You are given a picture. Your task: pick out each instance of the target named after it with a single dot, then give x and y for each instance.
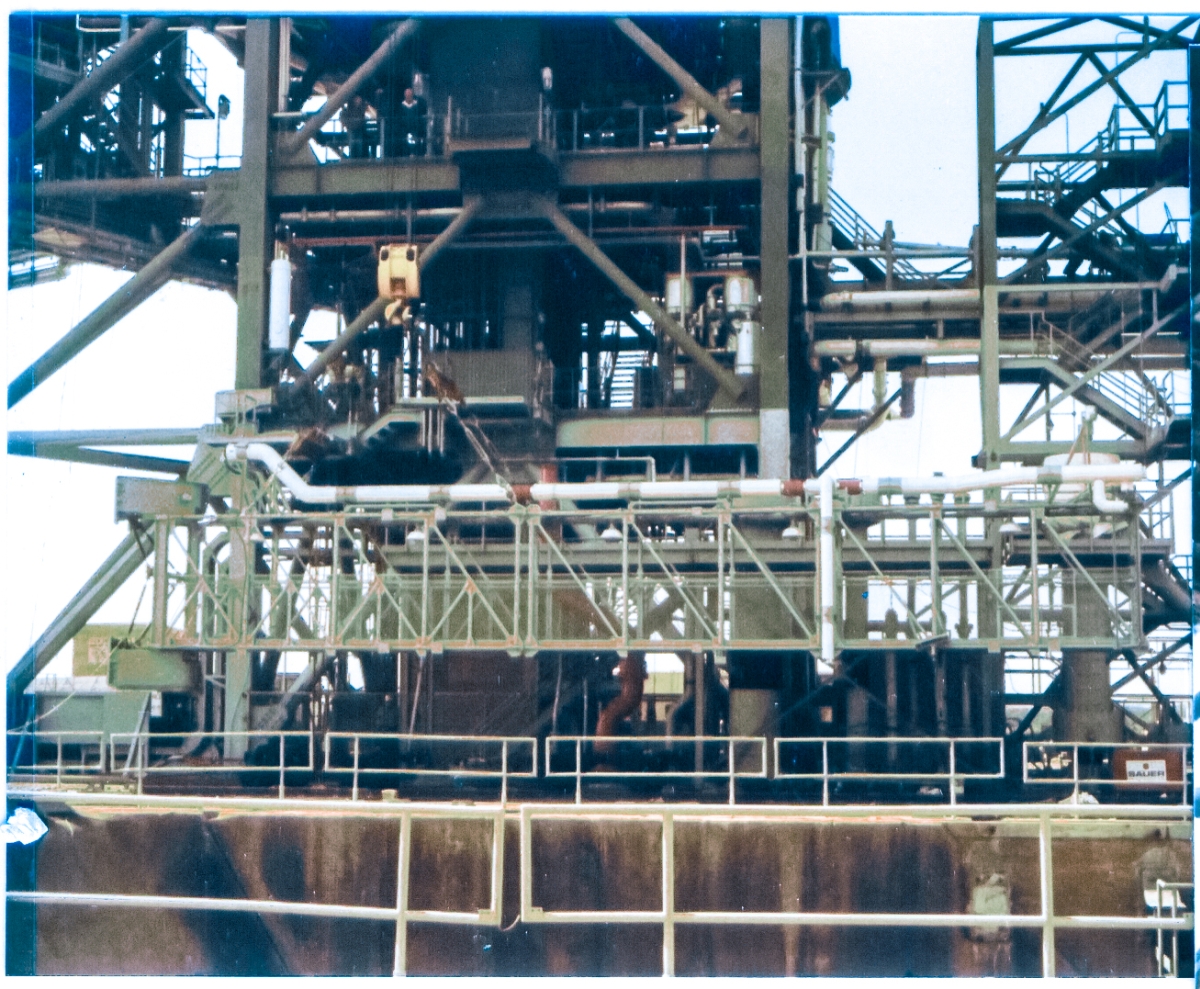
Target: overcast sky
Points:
(905, 151)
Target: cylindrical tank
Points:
(747, 339)
(673, 293)
(279, 324)
(740, 294)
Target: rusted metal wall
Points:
(900, 866)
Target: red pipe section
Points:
(632, 673)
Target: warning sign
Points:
(1146, 770)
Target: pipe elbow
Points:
(1105, 504)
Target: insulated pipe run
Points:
(1120, 473)
(1037, 296)
(826, 563)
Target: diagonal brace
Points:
(1104, 365)
(113, 309)
(730, 122)
(148, 40)
(351, 86)
(1046, 118)
(112, 573)
(729, 383)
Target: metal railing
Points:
(401, 914)
(136, 748)
(1138, 773)
(87, 742)
(1168, 968)
(1041, 819)
(953, 760)
(669, 915)
(656, 757)
(600, 130)
(1157, 769)
(480, 756)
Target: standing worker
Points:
(354, 123)
(410, 117)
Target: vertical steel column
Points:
(255, 236)
(1194, 166)
(989, 325)
(162, 539)
(774, 210)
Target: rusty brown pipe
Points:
(632, 673)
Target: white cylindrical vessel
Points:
(279, 323)
(747, 331)
(740, 294)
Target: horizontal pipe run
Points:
(916, 348)
(536, 915)
(1120, 473)
(228, 905)
(924, 300)
(866, 919)
(425, 493)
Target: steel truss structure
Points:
(589, 439)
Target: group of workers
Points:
(402, 125)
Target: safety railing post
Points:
(668, 891)
(824, 772)
(503, 772)
(731, 787)
(953, 776)
(1158, 891)
(578, 771)
(400, 954)
(281, 765)
(59, 766)
(1046, 877)
(141, 744)
(1174, 935)
(1075, 774)
(354, 775)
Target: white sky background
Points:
(905, 151)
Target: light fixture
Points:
(792, 531)
(415, 536)
(612, 534)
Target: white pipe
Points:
(914, 348)
(387, 493)
(1119, 473)
(906, 300)
(279, 321)
(1042, 296)
(1104, 503)
(826, 499)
